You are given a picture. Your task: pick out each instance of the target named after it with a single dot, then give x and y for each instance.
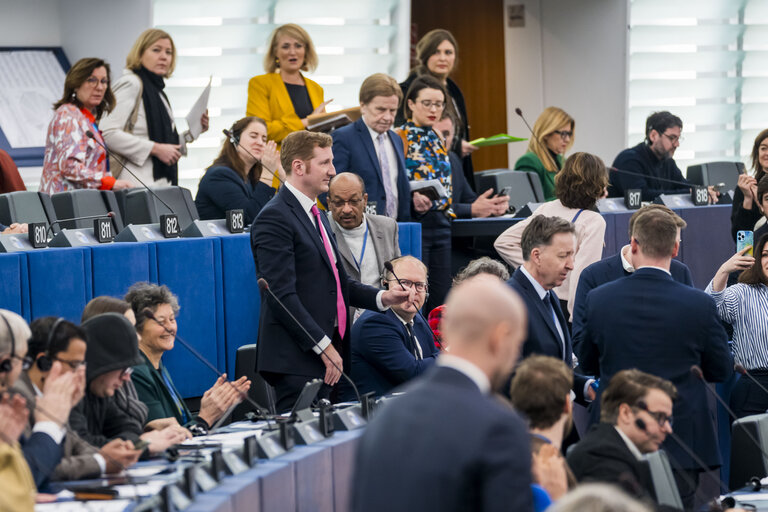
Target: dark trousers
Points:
(687, 481)
(747, 398)
(436, 255)
(288, 388)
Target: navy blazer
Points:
(543, 337)
(42, 455)
(381, 354)
(222, 189)
(650, 322)
(353, 151)
(443, 446)
(290, 255)
(604, 271)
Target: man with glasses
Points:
(55, 339)
(635, 419)
(365, 241)
(391, 348)
(652, 160)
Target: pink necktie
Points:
(341, 309)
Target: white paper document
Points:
(197, 111)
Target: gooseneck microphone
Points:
(391, 270)
(544, 149)
(234, 140)
(243, 395)
(264, 287)
(111, 215)
(90, 135)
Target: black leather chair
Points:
(25, 206)
(141, 207)
(83, 203)
(260, 392)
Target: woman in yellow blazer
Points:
(283, 96)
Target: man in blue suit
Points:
(651, 322)
(369, 148)
(617, 266)
(448, 444)
(548, 245)
(295, 252)
(392, 348)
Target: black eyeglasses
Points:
(26, 362)
(660, 417)
(420, 286)
(340, 203)
(566, 134)
(72, 364)
(673, 138)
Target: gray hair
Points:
(539, 232)
(18, 335)
(598, 498)
(148, 295)
(484, 265)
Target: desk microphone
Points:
(111, 215)
(243, 395)
(264, 287)
(743, 371)
(236, 142)
(391, 270)
(632, 173)
(544, 149)
(90, 135)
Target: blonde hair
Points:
(291, 30)
(549, 121)
(145, 40)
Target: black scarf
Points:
(159, 124)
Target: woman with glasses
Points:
(153, 381)
(74, 160)
(241, 176)
(553, 134)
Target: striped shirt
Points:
(745, 307)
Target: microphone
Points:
(632, 173)
(695, 370)
(90, 135)
(743, 371)
(243, 395)
(236, 142)
(390, 269)
(264, 287)
(111, 215)
(519, 112)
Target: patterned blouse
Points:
(72, 159)
(427, 159)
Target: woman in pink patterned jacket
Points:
(72, 159)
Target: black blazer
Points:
(353, 151)
(222, 189)
(604, 271)
(543, 337)
(289, 254)
(443, 446)
(382, 358)
(650, 322)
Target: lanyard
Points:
(362, 252)
(174, 397)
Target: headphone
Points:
(234, 139)
(45, 362)
(6, 365)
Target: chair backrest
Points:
(714, 173)
(261, 392)
(663, 480)
(746, 459)
(83, 203)
(484, 173)
(140, 207)
(538, 189)
(26, 207)
(520, 188)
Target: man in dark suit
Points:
(448, 444)
(295, 252)
(548, 247)
(617, 266)
(369, 148)
(392, 348)
(650, 322)
(365, 240)
(635, 419)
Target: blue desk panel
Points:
(117, 266)
(14, 283)
(191, 268)
(277, 485)
(60, 282)
(313, 469)
(343, 447)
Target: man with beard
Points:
(652, 160)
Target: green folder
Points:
(494, 140)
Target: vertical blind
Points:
(227, 39)
(707, 62)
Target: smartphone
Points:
(140, 444)
(505, 191)
(745, 239)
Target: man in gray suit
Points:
(365, 240)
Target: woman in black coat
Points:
(745, 212)
(241, 176)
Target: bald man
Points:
(448, 444)
(365, 240)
